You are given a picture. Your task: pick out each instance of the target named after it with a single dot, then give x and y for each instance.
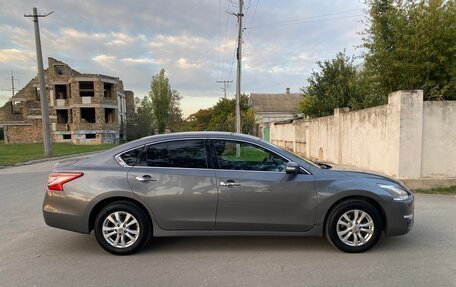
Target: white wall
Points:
(364, 138)
(439, 139)
(405, 138)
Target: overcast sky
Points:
(194, 40)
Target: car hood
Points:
(364, 175)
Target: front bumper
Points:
(400, 216)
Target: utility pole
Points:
(239, 60)
(13, 91)
(12, 83)
(43, 93)
(225, 82)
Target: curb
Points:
(49, 159)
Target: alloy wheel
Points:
(121, 229)
(355, 227)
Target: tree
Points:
(336, 84)
(175, 118)
(140, 124)
(410, 45)
(161, 97)
(198, 121)
(221, 117)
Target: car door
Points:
(175, 180)
(255, 192)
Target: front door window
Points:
(234, 155)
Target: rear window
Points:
(130, 157)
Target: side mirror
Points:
(323, 165)
(291, 167)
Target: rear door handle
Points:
(230, 183)
(145, 178)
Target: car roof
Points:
(204, 134)
(186, 135)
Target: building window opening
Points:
(59, 69)
(37, 94)
(62, 116)
(67, 137)
(88, 115)
(110, 116)
(90, 136)
(15, 108)
(61, 92)
(108, 89)
(86, 89)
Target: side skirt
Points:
(316, 231)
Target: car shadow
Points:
(237, 244)
(84, 244)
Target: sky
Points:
(193, 40)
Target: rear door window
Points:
(182, 153)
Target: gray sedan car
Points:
(216, 183)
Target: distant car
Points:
(217, 183)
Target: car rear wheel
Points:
(354, 226)
(122, 228)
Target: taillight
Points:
(57, 180)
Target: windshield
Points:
(286, 152)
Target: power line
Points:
(232, 65)
(324, 17)
(220, 36)
(224, 44)
(225, 82)
(267, 64)
(252, 21)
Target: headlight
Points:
(398, 192)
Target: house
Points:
(270, 108)
(83, 108)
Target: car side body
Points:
(219, 201)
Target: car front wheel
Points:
(354, 226)
(122, 228)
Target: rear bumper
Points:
(400, 217)
(64, 212)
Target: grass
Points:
(439, 190)
(11, 154)
(247, 153)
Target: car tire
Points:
(354, 226)
(122, 228)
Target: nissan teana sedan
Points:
(216, 183)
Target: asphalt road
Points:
(32, 254)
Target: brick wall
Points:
(24, 134)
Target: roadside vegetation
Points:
(156, 112)
(439, 190)
(407, 45)
(11, 154)
(221, 117)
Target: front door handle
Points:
(230, 183)
(145, 178)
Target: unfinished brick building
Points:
(83, 108)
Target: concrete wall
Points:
(407, 138)
(363, 136)
(439, 139)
